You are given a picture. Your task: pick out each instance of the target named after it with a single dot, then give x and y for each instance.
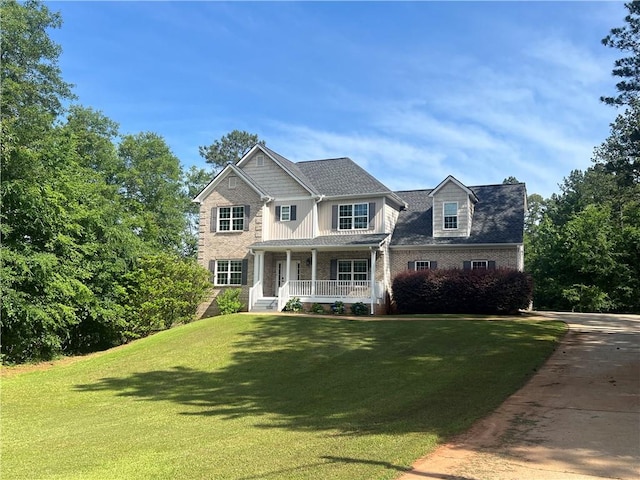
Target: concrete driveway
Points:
(577, 418)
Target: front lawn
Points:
(266, 397)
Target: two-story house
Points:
(326, 230)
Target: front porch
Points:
(345, 273)
(318, 291)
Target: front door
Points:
(281, 272)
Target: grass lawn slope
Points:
(266, 397)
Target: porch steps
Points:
(266, 304)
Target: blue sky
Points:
(411, 91)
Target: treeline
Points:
(583, 244)
(97, 235)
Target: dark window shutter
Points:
(212, 270)
(245, 271)
(411, 265)
(278, 213)
(334, 217)
(246, 217)
(372, 214)
(214, 219)
(433, 265)
(466, 265)
(292, 212)
(333, 270)
(491, 265)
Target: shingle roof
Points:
(362, 240)
(498, 217)
(341, 176)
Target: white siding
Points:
(452, 193)
(301, 227)
(390, 217)
(325, 217)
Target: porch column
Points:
(288, 274)
(373, 279)
(256, 267)
(314, 259)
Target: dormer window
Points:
(354, 216)
(450, 215)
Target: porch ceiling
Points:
(326, 242)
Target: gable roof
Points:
(287, 165)
(230, 168)
(498, 217)
(458, 183)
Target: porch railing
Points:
(283, 295)
(255, 294)
(330, 289)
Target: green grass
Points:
(266, 397)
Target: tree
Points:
(32, 88)
(229, 148)
(152, 189)
(626, 39)
(511, 180)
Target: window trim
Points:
(352, 272)
(475, 264)
(427, 262)
(282, 213)
(230, 219)
(445, 216)
(352, 217)
(228, 272)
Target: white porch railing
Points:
(330, 289)
(321, 291)
(255, 294)
(283, 296)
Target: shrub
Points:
(293, 305)
(161, 291)
(337, 307)
(462, 291)
(317, 308)
(359, 308)
(229, 301)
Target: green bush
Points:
(293, 305)
(161, 291)
(337, 307)
(359, 308)
(229, 301)
(317, 308)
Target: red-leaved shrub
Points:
(462, 291)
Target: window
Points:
(231, 219)
(228, 272)
(353, 270)
(354, 216)
(479, 264)
(450, 215)
(422, 265)
(285, 213)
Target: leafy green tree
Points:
(229, 148)
(152, 188)
(76, 220)
(32, 90)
